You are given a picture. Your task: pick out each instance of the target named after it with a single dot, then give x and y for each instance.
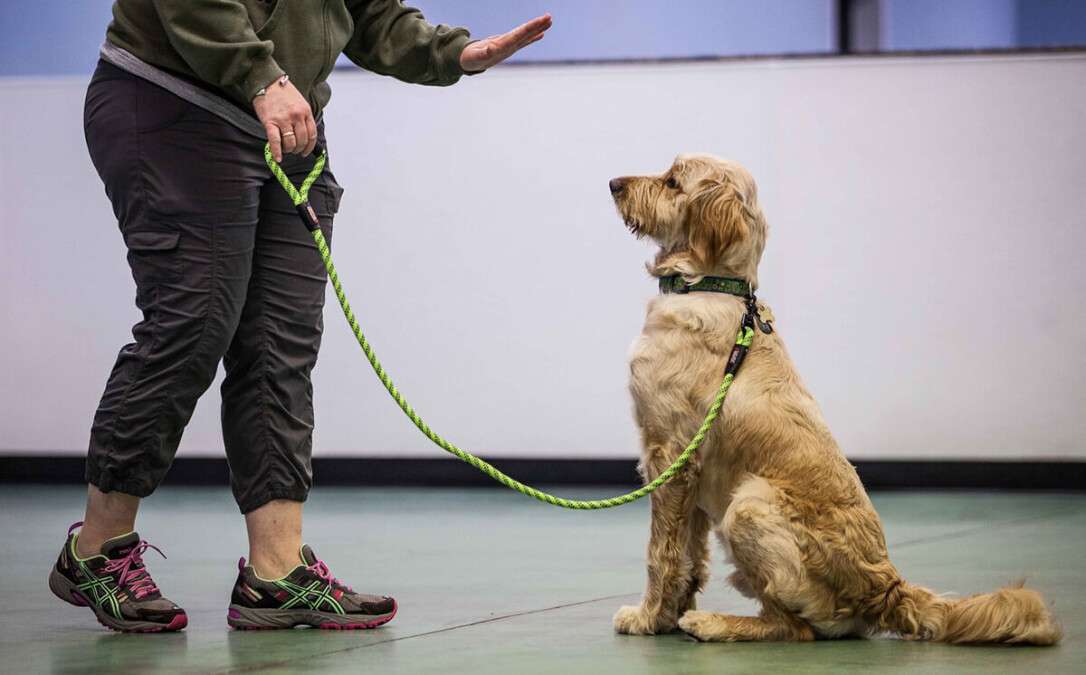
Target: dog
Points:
(769, 479)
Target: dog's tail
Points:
(1010, 615)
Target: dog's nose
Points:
(617, 185)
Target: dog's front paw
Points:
(699, 625)
(631, 620)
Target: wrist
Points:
(261, 76)
(281, 81)
(457, 47)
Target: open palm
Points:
(479, 56)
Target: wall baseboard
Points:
(372, 471)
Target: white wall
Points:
(925, 258)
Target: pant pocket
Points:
(327, 195)
(153, 256)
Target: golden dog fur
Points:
(769, 481)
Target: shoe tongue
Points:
(119, 547)
(308, 556)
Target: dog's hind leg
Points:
(669, 566)
(768, 561)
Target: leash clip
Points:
(755, 315)
(751, 316)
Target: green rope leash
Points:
(300, 198)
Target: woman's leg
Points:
(267, 418)
(275, 537)
(109, 515)
(267, 395)
(184, 186)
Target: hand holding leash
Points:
(287, 119)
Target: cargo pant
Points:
(224, 271)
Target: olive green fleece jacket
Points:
(239, 46)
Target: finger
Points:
(524, 43)
(290, 139)
(528, 29)
(275, 141)
(500, 54)
(311, 127)
(509, 43)
(301, 136)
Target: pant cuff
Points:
(106, 482)
(296, 494)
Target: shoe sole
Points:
(247, 618)
(64, 589)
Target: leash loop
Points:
(300, 195)
(743, 341)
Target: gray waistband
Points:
(216, 105)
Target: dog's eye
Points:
(672, 183)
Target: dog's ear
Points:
(716, 219)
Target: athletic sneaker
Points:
(115, 585)
(308, 596)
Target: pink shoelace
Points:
(133, 574)
(131, 567)
(325, 574)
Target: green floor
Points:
(490, 582)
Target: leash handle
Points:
(300, 195)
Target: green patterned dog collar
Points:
(676, 284)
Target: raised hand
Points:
(479, 56)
